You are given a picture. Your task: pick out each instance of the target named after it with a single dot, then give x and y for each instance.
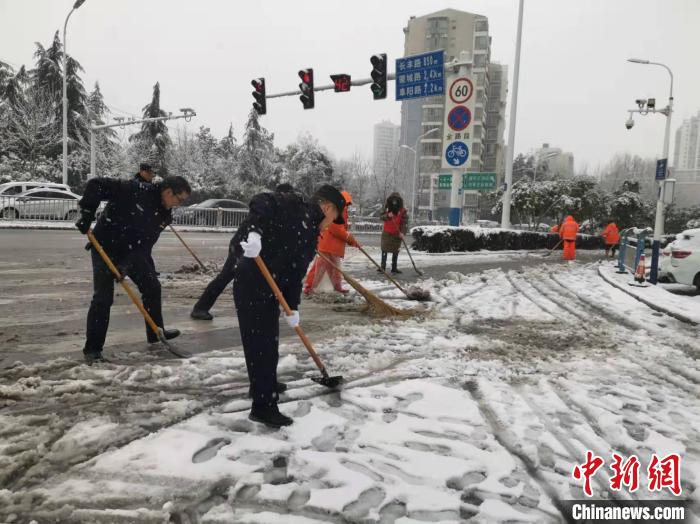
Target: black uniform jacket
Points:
(289, 227)
(133, 218)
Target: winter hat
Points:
(145, 166)
(328, 192)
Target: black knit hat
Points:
(332, 195)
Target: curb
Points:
(652, 305)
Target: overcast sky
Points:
(575, 85)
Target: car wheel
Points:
(72, 215)
(696, 282)
(9, 213)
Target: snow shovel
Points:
(187, 247)
(420, 273)
(324, 379)
(158, 331)
(552, 250)
(412, 295)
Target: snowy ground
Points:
(477, 407)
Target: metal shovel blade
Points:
(180, 353)
(329, 382)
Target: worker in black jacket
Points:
(283, 229)
(130, 225)
(211, 293)
(145, 173)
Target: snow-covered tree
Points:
(153, 138)
(308, 165)
(108, 151)
(256, 169)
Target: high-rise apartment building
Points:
(459, 34)
(385, 153)
(686, 163)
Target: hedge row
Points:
(444, 239)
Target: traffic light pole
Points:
(329, 87)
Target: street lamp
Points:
(415, 168)
(76, 5)
(659, 221)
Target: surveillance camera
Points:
(629, 124)
(641, 102)
(651, 103)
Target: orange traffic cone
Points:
(640, 272)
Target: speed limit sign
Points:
(461, 90)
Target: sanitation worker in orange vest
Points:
(554, 228)
(331, 243)
(567, 232)
(612, 238)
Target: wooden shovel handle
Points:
(187, 247)
(382, 270)
(287, 311)
(120, 279)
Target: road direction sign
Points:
(661, 168)
(457, 153)
(479, 181)
(420, 76)
(444, 181)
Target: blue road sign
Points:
(661, 169)
(420, 76)
(457, 153)
(459, 118)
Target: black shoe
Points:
(200, 314)
(169, 333)
(381, 270)
(281, 387)
(271, 417)
(396, 271)
(94, 358)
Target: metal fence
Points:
(38, 208)
(216, 217)
(632, 245)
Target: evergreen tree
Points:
(16, 87)
(227, 147)
(108, 158)
(308, 166)
(256, 165)
(153, 138)
(6, 73)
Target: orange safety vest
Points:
(569, 229)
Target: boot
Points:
(94, 358)
(169, 333)
(200, 314)
(281, 387)
(270, 416)
(394, 263)
(384, 255)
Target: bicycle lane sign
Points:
(457, 153)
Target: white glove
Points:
(252, 247)
(293, 319)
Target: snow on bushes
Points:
(442, 239)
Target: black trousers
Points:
(260, 331)
(217, 286)
(141, 271)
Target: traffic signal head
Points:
(307, 88)
(260, 105)
(378, 76)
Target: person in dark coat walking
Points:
(145, 173)
(200, 311)
(395, 219)
(130, 225)
(283, 229)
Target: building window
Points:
(479, 95)
(492, 134)
(481, 24)
(430, 148)
(476, 147)
(479, 60)
(476, 133)
(480, 79)
(478, 113)
(481, 42)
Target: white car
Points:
(680, 260)
(17, 188)
(41, 203)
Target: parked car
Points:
(680, 260)
(17, 188)
(213, 212)
(41, 203)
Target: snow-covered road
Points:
(479, 406)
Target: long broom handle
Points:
(187, 247)
(287, 311)
(121, 280)
(382, 270)
(409, 255)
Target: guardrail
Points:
(38, 208)
(632, 245)
(209, 217)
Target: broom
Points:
(375, 305)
